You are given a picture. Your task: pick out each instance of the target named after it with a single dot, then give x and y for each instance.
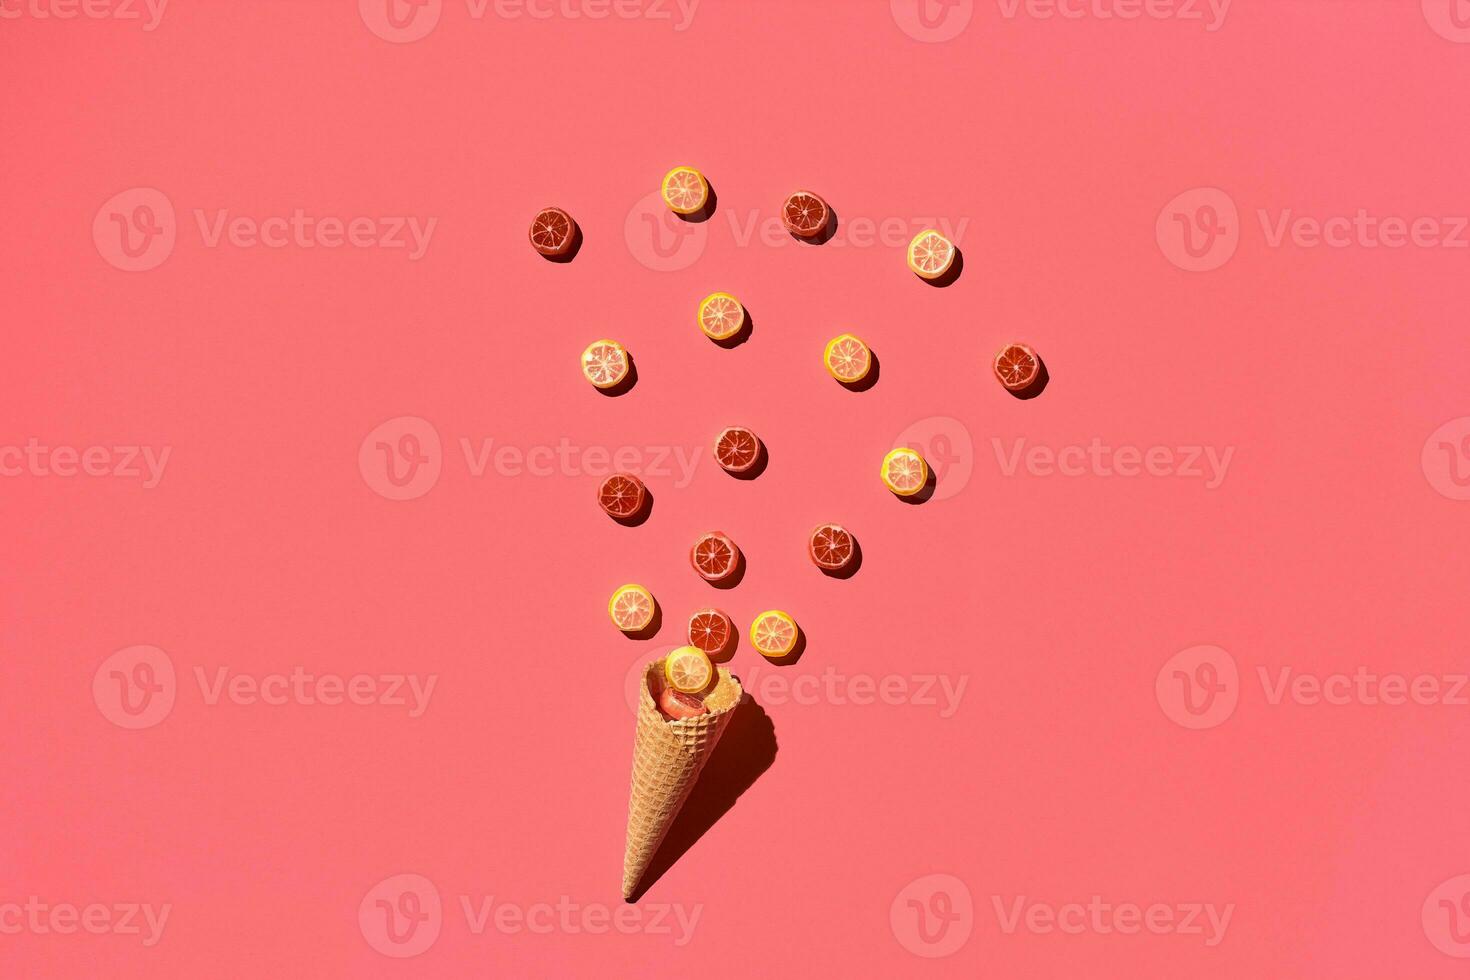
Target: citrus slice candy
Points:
(721, 316)
(605, 363)
(905, 472)
(805, 214)
(621, 495)
(930, 254)
(831, 547)
(676, 705)
(688, 670)
(552, 231)
(773, 633)
(847, 358)
(714, 556)
(1017, 366)
(631, 608)
(710, 630)
(737, 449)
(685, 190)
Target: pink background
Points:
(1057, 600)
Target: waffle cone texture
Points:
(668, 757)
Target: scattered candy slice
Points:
(847, 358)
(710, 630)
(685, 190)
(930, 254)
(721, 316)
(552, 232)
(831, 547)
(737, 449)
(631, 608)
(605, 363)
(1017, 366)
(905, 472)
(688, 670)
(714, 556)
(622, 495)
(773, 634)
(805, 214)
(676, 705)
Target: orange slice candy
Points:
(847, 358)
(905, 472)
(773, 633)
(605, 363)
(631, 608)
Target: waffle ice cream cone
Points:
(667, 759)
